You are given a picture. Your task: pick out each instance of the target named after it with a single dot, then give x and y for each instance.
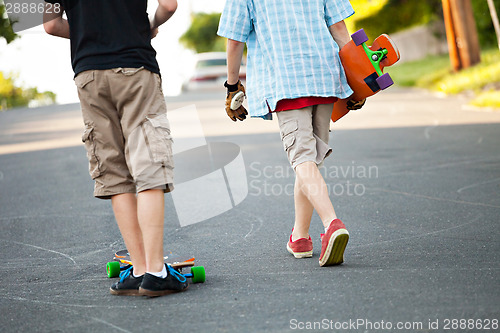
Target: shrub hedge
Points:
(389, 16)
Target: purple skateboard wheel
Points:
(359, 37)
(385, 81)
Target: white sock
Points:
(163, 274)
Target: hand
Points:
(154, 32)
(153, 27)
(234, 101)
(355, 105)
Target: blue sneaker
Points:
(128, 284)
(153, 286)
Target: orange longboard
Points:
(364, 66)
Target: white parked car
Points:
(210, 71)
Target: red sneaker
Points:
(301, 248)
(333, 244)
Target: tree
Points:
(5, 26)
(13, 96)
(202, 34)
(391, 16)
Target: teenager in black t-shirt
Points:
(127, 134)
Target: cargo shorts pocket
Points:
(288, 133)
(84, 78)
(158, 138)
(89, 141)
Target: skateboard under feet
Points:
(121, 261)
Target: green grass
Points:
(435, 73)
(410, 73)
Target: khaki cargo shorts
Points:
(305, 133)
(127, 133)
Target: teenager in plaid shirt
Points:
(294, 71)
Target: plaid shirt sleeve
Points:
(337, 10)
(235, 22)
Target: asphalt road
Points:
(415, 177)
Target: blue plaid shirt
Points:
(291, 52)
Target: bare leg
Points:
(150, 212)
(311, 183)
(125, 209)
(303, 214)
(140, 220)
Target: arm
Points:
(234, 55)
(53, 22)
(341, 36)
(235, 90)
(165, 10)
(340, 33)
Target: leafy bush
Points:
(202, 34)
(13, 96)
(5, 26)
(489, 99)
(389, 16)
(485, 28)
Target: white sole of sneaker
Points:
(127, 292)
(334, 254)
(300, 255)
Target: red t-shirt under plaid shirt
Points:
(302, 102)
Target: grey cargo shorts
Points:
(305, 133)
(127, 133)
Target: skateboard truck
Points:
(376, 56)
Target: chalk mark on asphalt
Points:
(41, 248)
(54, 215)
(406, 168)
(455, 163)
(435, 198)
(253, 230)
(261, 222)
(110, 325)
(22, 299)
(417, 236)
(428, 129)
(1, 176)
(477, 184)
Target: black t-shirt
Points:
(109, 34)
